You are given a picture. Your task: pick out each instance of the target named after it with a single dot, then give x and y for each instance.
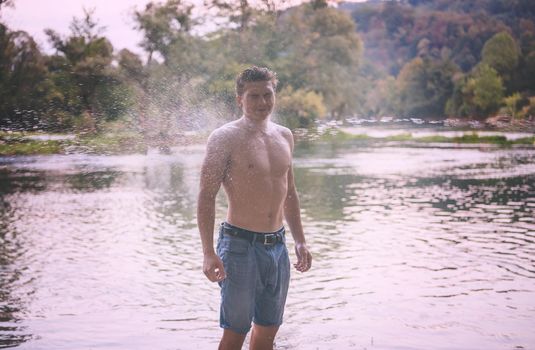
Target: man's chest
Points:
(262, 156)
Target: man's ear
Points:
(239, 100)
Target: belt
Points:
(264, 238)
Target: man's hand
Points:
(304, 258)
(213, 267)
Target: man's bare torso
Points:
(256, 176)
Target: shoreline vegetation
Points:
(407, 139)
(35, 143)
(22, 143)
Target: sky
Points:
(34, 16)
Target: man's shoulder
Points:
(283, 131)
(224, 133)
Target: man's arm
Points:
(212, 175)
(292, 214)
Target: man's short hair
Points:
(255, 73)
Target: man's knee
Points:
(231, 340)
(263, 337)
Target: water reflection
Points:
(415, 228)
(12, 284)
(413, 248)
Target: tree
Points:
(23, 84)
(382, 98)
(511, 103)
(487, 90)
(131, 66)
(524, 79)
(502, 54)
(315, 51)
(173, 94)
(528, 111)
(299, 108)
(392, 31)
(424, 87)
(479, 94)
(322, 53)
(163, 24)
(82, 71)
(238, 13)
(243, 14)
(5, 3)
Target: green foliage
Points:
(399, 138)
(338, 136)
(163, 24)
(511, 102)
(86, 84)
(382, 98)
(172, 91)
(524, 77)
(299, 108)
(131, 66)
(235, 13)
(479, 94)
(528, 111)
(424, 87)
(500, 34)
(407, 138)
(221, 84)
(30, 148)
(466, 139)
(487, 90)
(395, 33)
(322, 53)
(17, 143)
(23, 85)
(314, 49)
(113, 143)
(501, 53)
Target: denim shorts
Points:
(257, 281)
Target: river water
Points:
(414, 248)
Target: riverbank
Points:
(423, 138)
(33, 143)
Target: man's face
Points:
(257, 100)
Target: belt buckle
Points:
(270, 239)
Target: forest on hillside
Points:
(430, 59)
(437, 58)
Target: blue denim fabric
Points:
(257, 282)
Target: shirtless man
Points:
(252, 158)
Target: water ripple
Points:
(412, 248)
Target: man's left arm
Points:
(292, 214)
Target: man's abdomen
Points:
(257, 204)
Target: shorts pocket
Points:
(236, 246)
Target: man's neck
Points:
(255, 125)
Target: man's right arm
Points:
(212, 175)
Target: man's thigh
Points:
(270, 300)
(238, 288)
